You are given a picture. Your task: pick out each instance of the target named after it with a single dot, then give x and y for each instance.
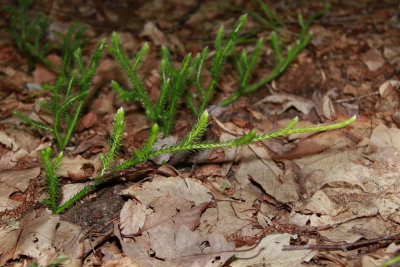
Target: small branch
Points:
(355, 98)
(344, 247)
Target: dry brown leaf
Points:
(373, 59)
(320, 203)
(70, 190)
(169, 141)
(95, 143)
(216, 253)
(187, 188)
(119, 262)
(301, 104)
(21, 143)
(222, 220)
(384, 137)
(132, 217)
(171, 227)
(8, 204)
(352, 231)
(42, 75)
(323, 104)
(135, 252)
(78, 168)
(67, 239)
(157, 36)
(103, 105)
(16, 180)
(14, 79)
(269, 253)
(87, 121)
(357, 189)
(332, 140)
(267, 174)
(36, 238)
(9, 235)
(173, 209)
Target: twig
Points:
(355, 98)
(344, 247)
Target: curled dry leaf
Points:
(287, 101)
(78, 168)
(14, 181)
(157, 36)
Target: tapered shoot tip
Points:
(155, 128)
(205, 115)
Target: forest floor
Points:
(323, 199)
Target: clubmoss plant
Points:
(69, 93)
(190, 142)
(66, 106)
(29, 35)
(106, 161)
(68, 44)
(245, 63)
(175, 82)
(29, 38)
(269, 18)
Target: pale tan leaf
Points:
(36, 239)
(78, 168)
(132, 217)
(157, 36)
(14, 180)
(287, 101)
(187, 188)
(384, 137)
(373, 59)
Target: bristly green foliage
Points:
(190, 142)
(106, 160)
(66, 107)
(71, 89)
(222, 50)
(52, 181)
(29, 35)
(29, 38)
(269, 18)
(244, 64)
(115, 142)
(68, 44)
(173, 83)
